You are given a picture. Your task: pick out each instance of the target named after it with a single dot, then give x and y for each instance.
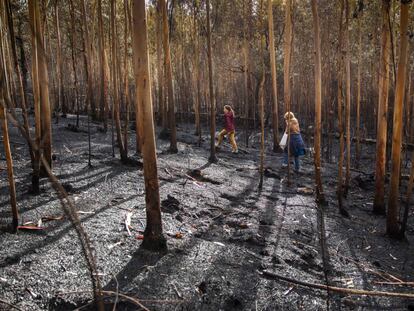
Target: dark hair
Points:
(228, 107)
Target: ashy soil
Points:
(222, 232)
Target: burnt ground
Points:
(229, 232)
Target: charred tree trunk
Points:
(103, 99)
(212, 157)
(59, 67)
(6, 142)
(393, 199)
(275, 117)
(23, 103)
(318, 103)
(170, 89)
(36, 97)
(153, 236)
(115, 85)
(348, 98)
(287, 51)
(383, 88)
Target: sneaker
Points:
(284, 165)
(235, 151)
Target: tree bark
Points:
(9, 160)
(393, 199)
(153, 236)
(170, 89)
(23, 103)
(59, 67)
(275, 117)
(383, 88)
(287, 52)
(104, 104)
(212, 157)
(115, 85)
(348, 97)
(36, 97)
(318, 103)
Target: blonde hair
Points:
(289, 115)
(228, 107)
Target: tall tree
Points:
(212, 157)
(394, 193)
(6, 143)
(287, 52)
(318, 101)
(115, 85)
(347, 97)
(23, 97)
(358, 97)
(59, 68)
(168, 68)
(103, 99)
(196, 39)
(36, 95)
(383, 88)
(160, 72)
(340, 65)
(275, 122)
(44, 116)
(153, 236)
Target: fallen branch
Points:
(349, 291)
(111, 293)
(9, 304)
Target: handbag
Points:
(283, 141)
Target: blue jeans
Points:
(297, 161)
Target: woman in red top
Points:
(229, 129)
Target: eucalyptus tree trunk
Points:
(170, 89)
(394, 193)
(197, 105)
(115, 85)
(153, 235)
(74, 67)
(90, 104)
(287, 52)
(246, 66)
(59, 67)
(212, 157)
(36, 96)
(103, 99)
(383, 89)
(46, 128)
(23, 103)
(348, 98)
(6, 142)
(160, 72)
(318, 102)
(127, 17)
(340, 62)
(358, 97)
(275, 117)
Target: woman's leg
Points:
(297, 163)
(221, 136)
(285, 157)
(233, 141)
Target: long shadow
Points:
(9, 260)
(113, 174)
(137, 265)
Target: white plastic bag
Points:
(283, 141)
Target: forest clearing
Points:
(206, 155)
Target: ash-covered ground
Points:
(222, 232)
